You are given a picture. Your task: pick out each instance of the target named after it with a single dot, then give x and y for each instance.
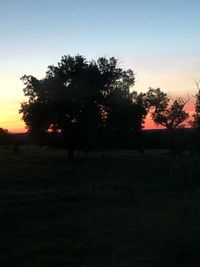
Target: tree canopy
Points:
(4, 136)
(84, 101)
(166, 112)
(195, 122)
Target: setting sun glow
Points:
(158, 40)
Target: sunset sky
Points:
(158, 39)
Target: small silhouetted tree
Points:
(165, 112)
(173, 116)
(4, 136)
(168, 113)
(195, 122)
(81, 100)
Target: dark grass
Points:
(119, 209)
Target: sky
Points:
(158, 39)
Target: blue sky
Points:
(159, 40)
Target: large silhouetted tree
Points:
(82, 100)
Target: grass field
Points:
(120, 209)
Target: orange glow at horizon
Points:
(11, 120)
(149, 124)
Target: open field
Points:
(120, 209)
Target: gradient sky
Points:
(159, 40)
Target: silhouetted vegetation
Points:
(195, 122)
(167, 113)
(4, 137)
(88, 103)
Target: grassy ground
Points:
(123, 209)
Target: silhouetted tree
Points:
(167, 113)
(83, 100)
(4, 136)
(195, 122)
(172, 116)
(156, 99)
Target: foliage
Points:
(157, 99)
(195, 122)
(82, 99)
(4, 136)
(166, 112)
(3, 132)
